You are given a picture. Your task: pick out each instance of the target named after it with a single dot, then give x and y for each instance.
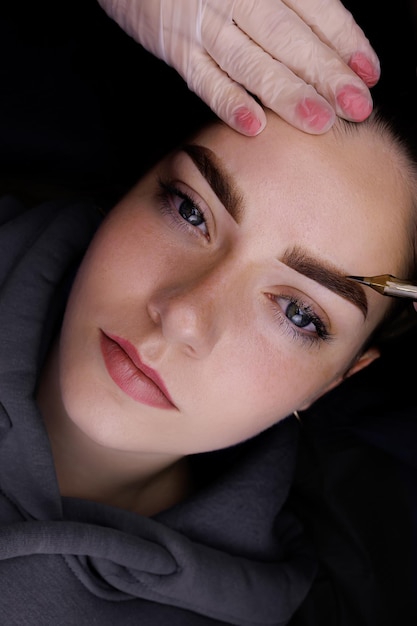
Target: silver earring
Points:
(297, 417)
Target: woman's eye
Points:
(182, 207)
(301, 316)
(188, 210)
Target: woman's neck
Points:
(143, 484)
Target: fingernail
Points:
(318, 117)
(354, 103)
(364, 68)
(247, 121)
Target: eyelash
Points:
(322, 332)
(166, 193)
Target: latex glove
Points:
(293, 56)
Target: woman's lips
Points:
(126, 369)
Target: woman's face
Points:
(213, 301)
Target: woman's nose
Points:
(189, 316)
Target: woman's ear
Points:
(363, 361)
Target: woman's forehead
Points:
(278, 135)
(345, 180)
(359, 161)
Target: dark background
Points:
(83, 108)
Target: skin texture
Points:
(206, 306)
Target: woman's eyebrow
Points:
(328, 276)
(218, 178)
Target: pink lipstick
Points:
(136, 379)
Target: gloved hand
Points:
(303, 58)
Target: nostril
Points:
(154, 313)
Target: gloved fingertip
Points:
(365, 69)
(247, 122)
(316, 116)
(354, 103)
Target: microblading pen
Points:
(389, 285)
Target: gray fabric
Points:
(228, 555)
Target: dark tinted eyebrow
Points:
(328, 276)
(218, 178)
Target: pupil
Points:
(297, 315)
(191, 214)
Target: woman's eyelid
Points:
(182, 169)
(189, 192)
(304, 302)
(304, 299)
